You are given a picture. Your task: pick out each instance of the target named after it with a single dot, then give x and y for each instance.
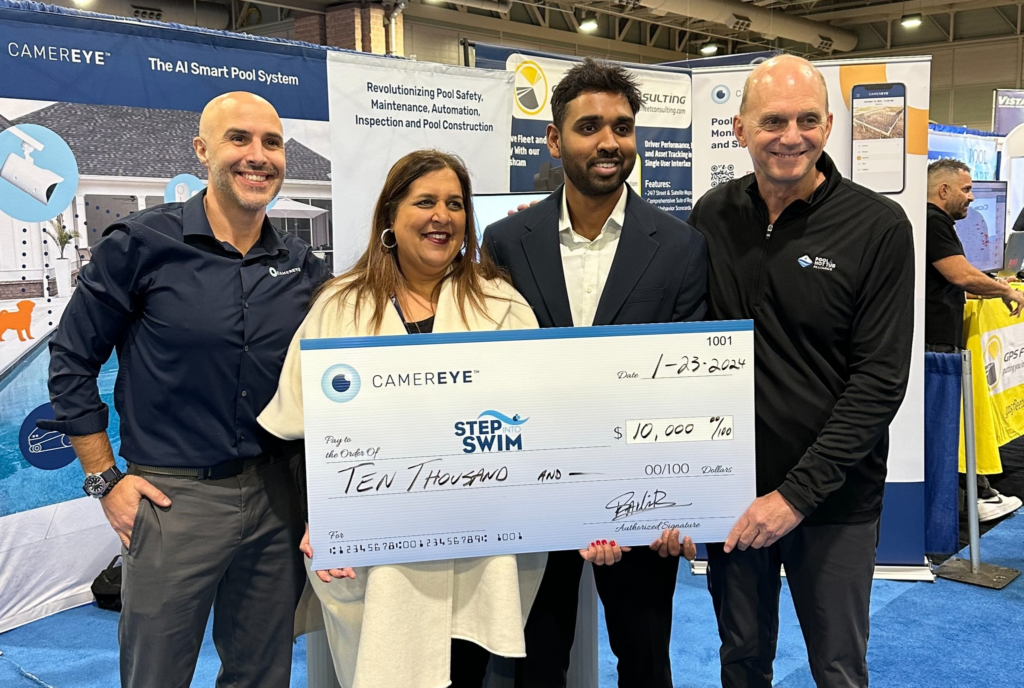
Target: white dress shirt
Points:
(586, 263)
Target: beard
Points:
(223, 179)
(577, 170)
(960, 212)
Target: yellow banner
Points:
(996, 341)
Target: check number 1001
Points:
(679, 429)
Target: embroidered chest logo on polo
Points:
(274, 272)
(819, 263)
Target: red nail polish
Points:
(604, 542)
(613, 543)
(592, 544)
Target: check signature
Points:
(625, 505)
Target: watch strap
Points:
(107, 479)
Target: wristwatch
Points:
(99, 484)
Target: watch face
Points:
(94, 484)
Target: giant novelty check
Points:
(442, 446)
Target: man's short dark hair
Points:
(947, 165)
(594, 76)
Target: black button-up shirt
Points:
(201, 334)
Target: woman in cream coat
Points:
(424, 624)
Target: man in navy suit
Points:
(595, 253)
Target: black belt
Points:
(226, 469)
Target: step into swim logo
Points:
(340, 383)
(491, 431)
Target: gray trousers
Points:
(230, 545)
(829, 568)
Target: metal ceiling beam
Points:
(451, 19)
(861, 15)
(769, 23)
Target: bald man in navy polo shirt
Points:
(200, 300)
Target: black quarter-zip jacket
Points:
(830, 287)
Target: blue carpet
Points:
(938, 635)
(922, 634)
(78, 649)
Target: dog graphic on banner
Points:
(20, 321)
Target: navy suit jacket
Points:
(659, 273)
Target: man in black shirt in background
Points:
(825, 268)
(948, 276)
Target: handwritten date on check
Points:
(443, 446)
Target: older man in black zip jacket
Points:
(826, 270)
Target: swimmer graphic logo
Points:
(491, 431)
(340, 383)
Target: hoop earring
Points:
(383, 241)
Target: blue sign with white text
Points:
(48, 57)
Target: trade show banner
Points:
(97, 117)
(725, 60)
(979, 152)
(879, 139)
(1007, 110)
(996, 341)
(383, 108)
(662, 173)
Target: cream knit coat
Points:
(392, 626)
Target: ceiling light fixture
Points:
(911, 21)
(589, 23)
(709, 48)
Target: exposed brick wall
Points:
(344, 27)
(356, 27)
(374, 40)
(311, 28)
(33, 289)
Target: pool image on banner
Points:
(25, 485)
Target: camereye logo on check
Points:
(340, 383)
(491, 431)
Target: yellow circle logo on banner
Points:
(531, 88)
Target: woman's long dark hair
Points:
(377, 276)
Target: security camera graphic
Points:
(183, 187)
(23, 173)
(38, 173)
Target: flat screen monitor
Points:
(489, 208)
(983, 231)
(1014, 252)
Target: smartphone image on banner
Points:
(879, 136)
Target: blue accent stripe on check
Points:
(524, 335)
